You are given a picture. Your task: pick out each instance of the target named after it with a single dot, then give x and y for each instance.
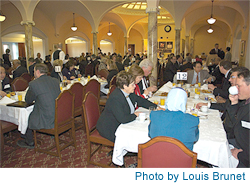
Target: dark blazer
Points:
(119, 66)
(188, 65)
(169, 72)
(223, 90)
(6, 84)
(140, 84)
(112, 73)
(19, 71)
(31, 69)
(117, 111)
(43, 90)
(55, 74)
(66, 72)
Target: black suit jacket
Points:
(31, 69)
(169, 72)
(117, 111)
(119, 66)
(43, 90)
(19, 71)
(6, 84)
(140, 84)
(223, 90)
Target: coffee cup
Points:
(204, 108)
(188, 85)
(233, 90)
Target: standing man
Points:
(43, 90)
(58, 54)
(225, 68)
(18, 69)
(39, 57)
(147, 67)
(5, 83)
(217, 51)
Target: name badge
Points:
(7, 86)
(245, 124)
(181, 76)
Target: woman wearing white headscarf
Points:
(174, 122)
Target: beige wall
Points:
(76, 49)
(136, 38)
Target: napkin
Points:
(6, 100)
(166, 87)
(94, 77)
(204, 87)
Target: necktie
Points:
(197, 79)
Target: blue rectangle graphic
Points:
(190, 177)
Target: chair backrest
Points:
(113, 80)
(89, 70)
(19, 84)
(90, 107)
(103, 73)
(93, 86)
(64, 108)
(77, 89)
(111, 89)
(96, 68)
(27, 77)
(165, 152)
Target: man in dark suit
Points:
(178, 62)
(225, 68)
(32, 64)
(5, 83)
(18, 69)
(43, 90)
(170, 70)
(217, 51)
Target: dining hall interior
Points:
(156, 29)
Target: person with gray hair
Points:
(147, 67)
(18, 69)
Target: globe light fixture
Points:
(2, 17)
(210, 30)
(109, 33)
(211, 20)
(74, 27)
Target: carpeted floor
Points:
(71, 157)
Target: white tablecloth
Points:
(212, 146)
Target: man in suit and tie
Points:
(4, 82)
(18, 69)
(217, 51)
(225, 68)
(147, 67)
(198, 75)
(43, 90)
(178, 62)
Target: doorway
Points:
(131, 47)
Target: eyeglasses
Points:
(233, 77)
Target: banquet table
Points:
(19, 116)
(212, 146)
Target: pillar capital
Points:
(178, 29)
(94, 32)
(153, 10)
(27, 22)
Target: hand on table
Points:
(160, 109)
(79, 75)
(137, 113)
(209, 80)
(234, 99)
(235, 152)
(211, 86)
(2, 93)
(72, 77)
(152, 88)
(198, 106)
(146, 92)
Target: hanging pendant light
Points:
(109, 33)
(74, 27)
(211, 20)
(210, 30)
(2, 17)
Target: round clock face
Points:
(167, 28)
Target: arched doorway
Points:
(106, 46)
(75, 46)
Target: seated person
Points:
(174, 122)
(32, 64)
(18, 69)
(69, 71)
(5, 83)
(198, 75)
(120, 106)
(57, 73)
(138, 74)
(112, 68)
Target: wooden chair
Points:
(165, 152)
(91, 115)
(93, 86)
(64, 121)
(27, 77)
(103, 73)
(113, 81)
(96, 68)
(4, 128)
(89, 70)
(77, 89)
(19, 84)
(111, 89)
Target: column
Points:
(192, 46)
(152, 41)
(28, 39)
(177, 41)
(95, 45)
(186, 45)
(125, 44)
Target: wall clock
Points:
(167, 28)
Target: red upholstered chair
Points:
(113, 80)
(103, 73)
(64, 121)
(93, 86)
(111, 89)
(96, 68)
(89, 70)
(27, 77)
(77, 89)
(165, 152)
(4, 128)
(19, 84)
(91, 115)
